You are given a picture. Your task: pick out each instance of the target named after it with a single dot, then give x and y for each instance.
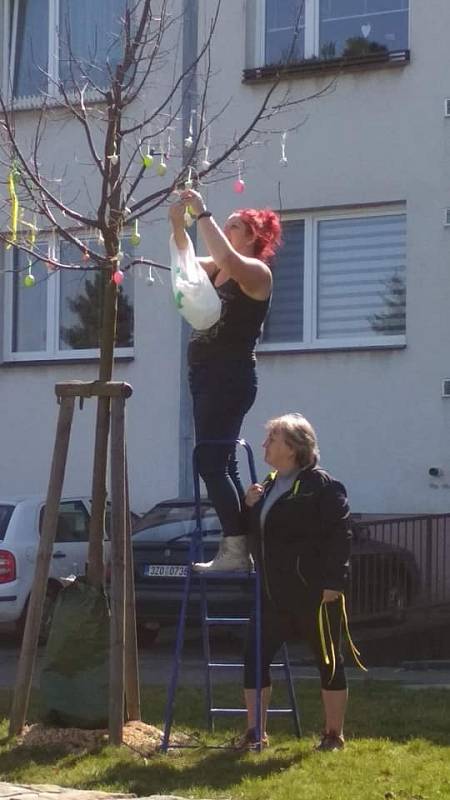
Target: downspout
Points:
(189, 89)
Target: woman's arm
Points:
(336, 535)
(252, 275)
(176, 215)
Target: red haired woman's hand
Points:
(194, 200)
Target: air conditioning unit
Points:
(446, 217)
(447, 107)
(446, 387)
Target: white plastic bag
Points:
(195, 296)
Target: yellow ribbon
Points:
(331, 659)
(14, 206)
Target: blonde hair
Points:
(299, 434)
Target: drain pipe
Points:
(189, 89)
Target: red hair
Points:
(266, 227)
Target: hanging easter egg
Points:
(85, 256)
(188, 142)
(161, 169)
(206, 164)
(147, 160)
(118, 277)
(283, 161)
(135, 237)
(239, 186)
(29, 280)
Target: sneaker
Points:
(232, 556)
(249, 742)
(329, 742)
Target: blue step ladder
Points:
(202, 580)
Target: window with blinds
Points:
(285, 320)
(339, 281)
(361, 268)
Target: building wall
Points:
(377, 136)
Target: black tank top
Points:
(234, 335)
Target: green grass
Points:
(397, 747)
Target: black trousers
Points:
(222, 393)
(278, 627)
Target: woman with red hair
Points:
(222, 363)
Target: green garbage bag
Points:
(75, 674)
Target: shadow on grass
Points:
(213, 770)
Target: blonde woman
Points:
(300, 538)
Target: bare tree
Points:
(128, 129)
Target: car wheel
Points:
(148, 633)
(398, 604)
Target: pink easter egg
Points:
(118, 277)
(239, 186)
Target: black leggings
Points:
(278, 627)
(222, 393)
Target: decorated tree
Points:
(140, 113)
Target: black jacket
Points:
(305, 545)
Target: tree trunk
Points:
(95, 570)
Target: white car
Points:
(20, 525)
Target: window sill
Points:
(279, 348)
(36, 101)
(55, 362)
(317, 66)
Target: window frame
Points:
(6, 81)
(311, 342)
(52, 351)
(312, 33)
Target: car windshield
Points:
(5, 515)
(166, 522)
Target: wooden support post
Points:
(36, 602)
(132, 692)
(117, 635)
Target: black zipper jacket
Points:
(305, 545)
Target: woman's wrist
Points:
(205, 214)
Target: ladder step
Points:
(244, 710)
(280, 710)
(228, 710)
(226, 620)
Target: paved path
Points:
(10, 791)
(155, 665)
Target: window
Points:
(50, 40)
(294, 30)
(60, 316)
(339, 281)
(73, 522)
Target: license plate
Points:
(165, 571)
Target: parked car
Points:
(20, 526)
(161, 540)
(385, 578)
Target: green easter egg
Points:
(161, 169)
(29, 281)
(147, 161)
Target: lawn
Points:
(397, 749)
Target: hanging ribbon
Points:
(330, 658)
(14, 200)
